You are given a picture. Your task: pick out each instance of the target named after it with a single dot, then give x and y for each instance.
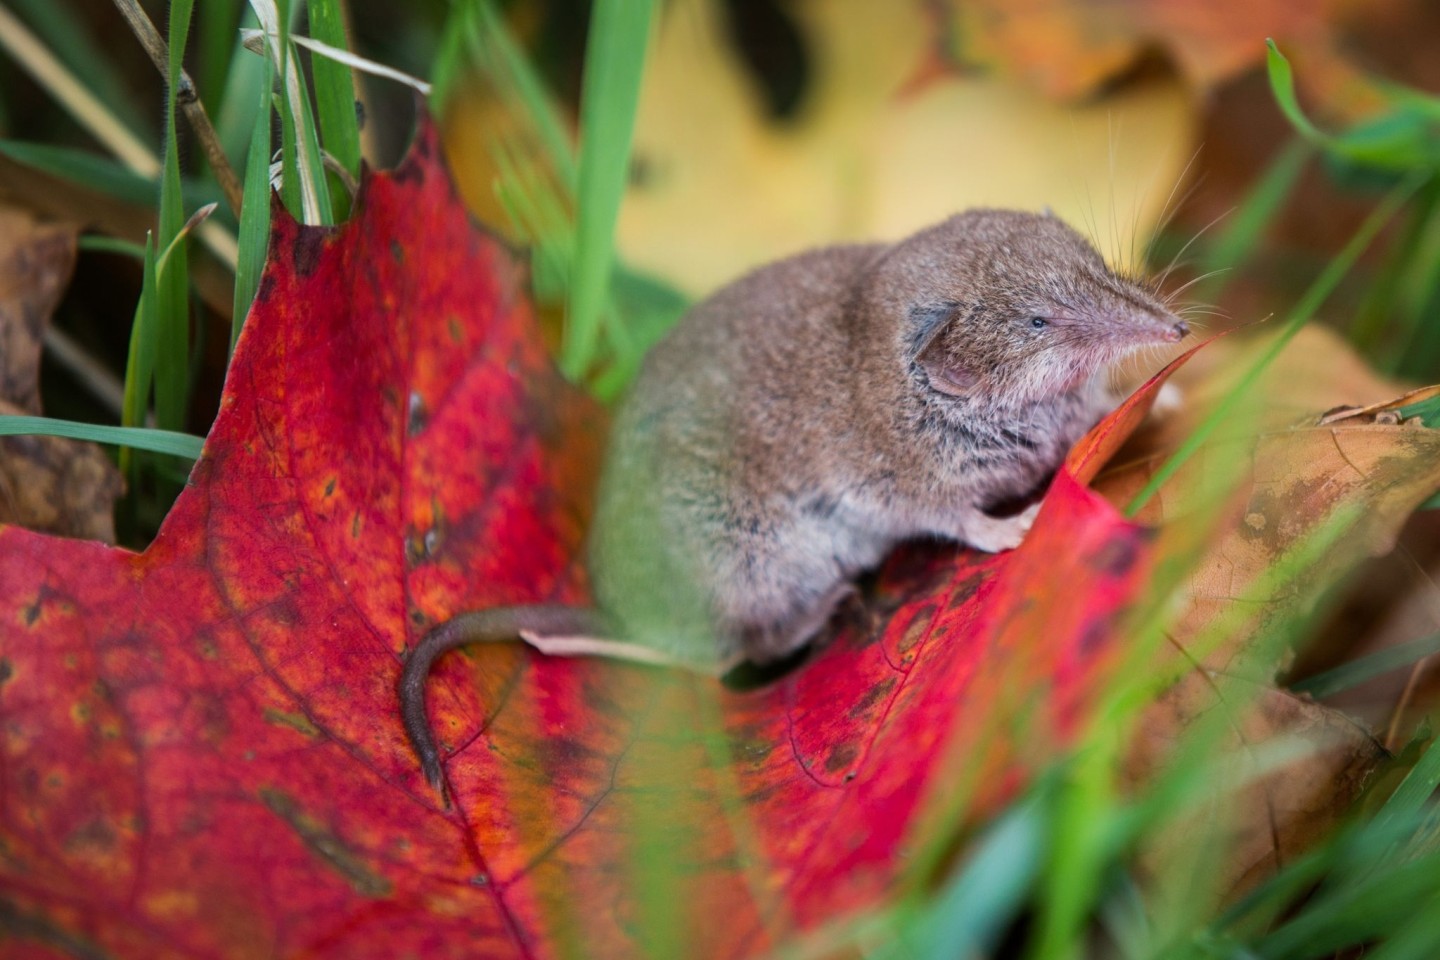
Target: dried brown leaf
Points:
(47, 483)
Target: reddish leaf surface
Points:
(200, 751)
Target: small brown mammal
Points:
(806, 418)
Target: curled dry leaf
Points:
(1262, 521)
(50, 484)
(1285, 488)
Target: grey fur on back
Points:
(807, 417)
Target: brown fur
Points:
(804, 419)
(807, 417)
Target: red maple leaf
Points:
(200, 745)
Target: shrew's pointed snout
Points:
(1179, 331)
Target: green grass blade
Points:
(614, 61)
(312, 164)
(517, 72)
(83, 167)
(291, 191)
(69, 92)
(1414, 792)
(1358, 671)
(65, 34)
(1427, 410)
(1282, 85)
(1258, 209)
(1399, 140)
(140, 364)
(1417, 940)
(254, 212)
(173, 289)
(449, 63)
(970, 913)
(1372, 320)
(236, 117)
(93, 171)
(96, 243)
(334, 87)
(1316, 295)
(216, 47)
(1355, 913)
(136, 438)
(303, 185)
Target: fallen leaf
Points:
(49, 196)
(35, 265)
(1072, 48)
(47, 483)
(1266, 517)
(868, 155)
(1288, 482)
(1273, 809)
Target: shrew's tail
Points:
(495, 625)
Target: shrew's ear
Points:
(934, 350)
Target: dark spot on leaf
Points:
(32, 612)
(309, 246)
(205, 643)
(295, 721)
(764, 792)
(479, 880)
(18, 926)
(397, 252)
(330, 487)
(7, 670)
(455, 328)
(325, 845)
(872, 696)
(286, 611)
(1116, 557)
(103, 690)
(841, 757)
(1093, 640)
(965, 591)
(569, 753)
(93, 836)
(916, 629)
(355, 526)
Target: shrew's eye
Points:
(1037, 322)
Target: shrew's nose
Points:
(1180, 330)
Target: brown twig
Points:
(187, 100)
